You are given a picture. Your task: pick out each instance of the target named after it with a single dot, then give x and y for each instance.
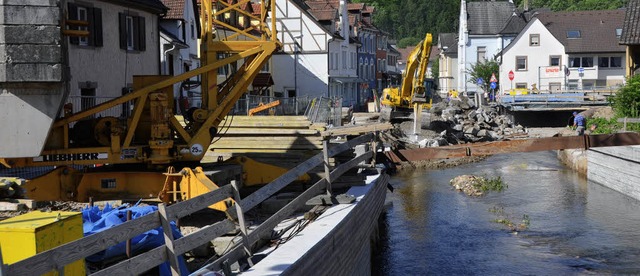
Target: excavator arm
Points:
(414, 89)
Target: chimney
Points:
(344, 20)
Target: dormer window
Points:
(618, 32)
(573, 34)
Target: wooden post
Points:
(243, 227)
(168, 239)
(128, 244)
(327, 169)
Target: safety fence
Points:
(55, 259)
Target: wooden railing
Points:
(57, 258)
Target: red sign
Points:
(511, 75)
(493, 78)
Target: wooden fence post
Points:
(243, 227)
(327, 169)
(168, 239)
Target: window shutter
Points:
(72, 14)
(90, 18)
(141, 35)
(96, 28)
(122, 19)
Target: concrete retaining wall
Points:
(617, 168)
(339, 242)
(575, 159)
(347, 249)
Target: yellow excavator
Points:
(133, 157)
(415, 92)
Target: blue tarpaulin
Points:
(96, 220)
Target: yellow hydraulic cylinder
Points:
(27, 235)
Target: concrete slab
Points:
(280, 259)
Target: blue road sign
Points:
(581, 70)
(493, 85)
(480, 81)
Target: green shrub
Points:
(626, 102)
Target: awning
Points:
(346, 79)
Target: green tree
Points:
(626, 103)
(435, 70)
(483, 70)
(408, 42)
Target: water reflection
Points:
(576, 227)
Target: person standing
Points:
(578, 123)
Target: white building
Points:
(318, 57)
(485, 29)
(565, 51)
(123, 42)
(448, 62)
(179, 32)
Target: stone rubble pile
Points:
(459, 121)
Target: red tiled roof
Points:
(323, 14)
(257, 8)
(176, 9)
(355, 6)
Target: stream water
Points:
(575, 227)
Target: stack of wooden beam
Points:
(279, 140)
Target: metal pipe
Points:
(128, 244)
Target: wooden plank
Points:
(79, 249)
(355, 130)
(264, 118)
(187, 207)
(202, 236)
(265, 228)
(263, 131)
(269, 124)
(255, 145)
(270, 189)
(168, 240)
(285, 139)
(137, 264)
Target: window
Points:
(82, 16)
(521, 63)
(576, 62)
(193, 30)
(573, 34)
(610, 62)
(91, 15)
(534, 40)
(344, 59)
(554, 61)
(482, 54)
(132, 32)
(618, 33)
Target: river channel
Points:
(575, 227)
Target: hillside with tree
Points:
(405, 19)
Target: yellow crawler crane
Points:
(133, 157)
(415, 91)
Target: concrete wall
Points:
(31, 74)
(617, 168)
(346, 250)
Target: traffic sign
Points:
(493, 78)
(494, 85)
(480, 81)
(511, 75)
(581, 70)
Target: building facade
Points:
(565, 51)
